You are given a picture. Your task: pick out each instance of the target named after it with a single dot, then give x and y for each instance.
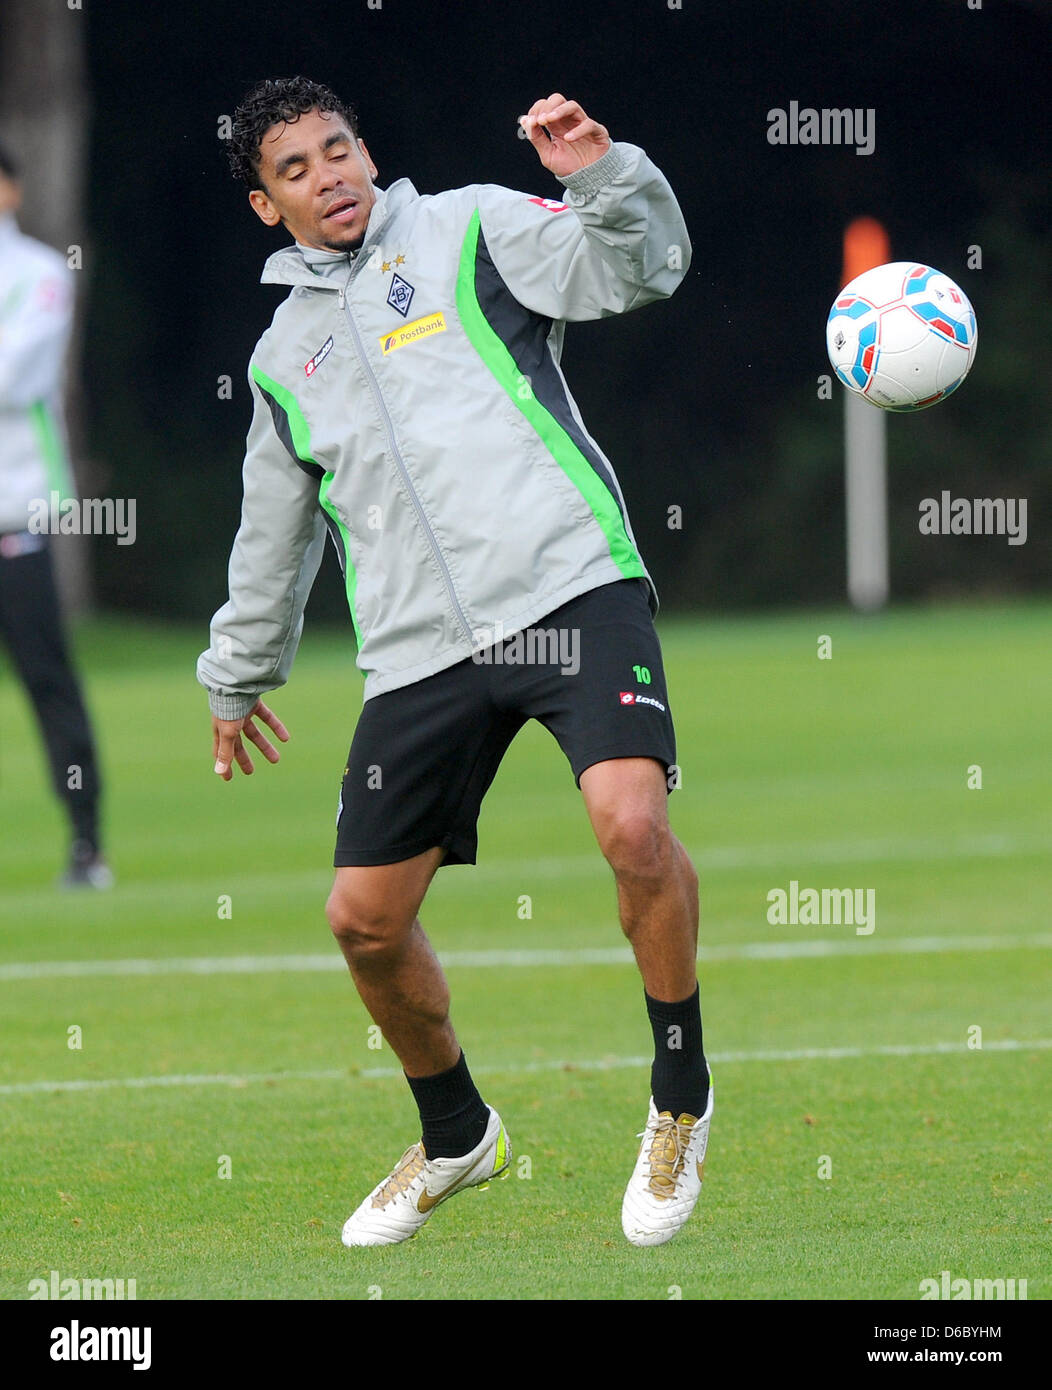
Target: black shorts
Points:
(424, 756)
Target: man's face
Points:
(317, 180)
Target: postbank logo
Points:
(412, 332)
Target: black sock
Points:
(679, 1078)
(453, 1115)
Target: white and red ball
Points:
(902, 336)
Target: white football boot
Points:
(666, 1181)
(397, 1207)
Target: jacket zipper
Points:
(388, 423)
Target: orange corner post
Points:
(866, 245)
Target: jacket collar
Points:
(287, 267)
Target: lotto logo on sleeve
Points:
(319, 357)
(550, 203)
(628, 698)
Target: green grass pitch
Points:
(859, 1144)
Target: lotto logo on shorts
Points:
(627, 698)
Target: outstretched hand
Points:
(563, 136)
(228, 746)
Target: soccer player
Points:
(408, 397)
(36, 314)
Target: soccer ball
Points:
(901, 336)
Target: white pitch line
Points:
(851, 945)
(800, 857)
(799, 1054)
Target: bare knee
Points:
(364, 927)
(638, 845)
(372, 909)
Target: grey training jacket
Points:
(409, 399)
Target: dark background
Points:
(710, 400)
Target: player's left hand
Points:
(563, 136)
(228, 746)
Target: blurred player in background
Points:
(36, 312)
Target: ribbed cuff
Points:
(585, 183)
(231, 706)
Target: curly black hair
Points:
(270, 102)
